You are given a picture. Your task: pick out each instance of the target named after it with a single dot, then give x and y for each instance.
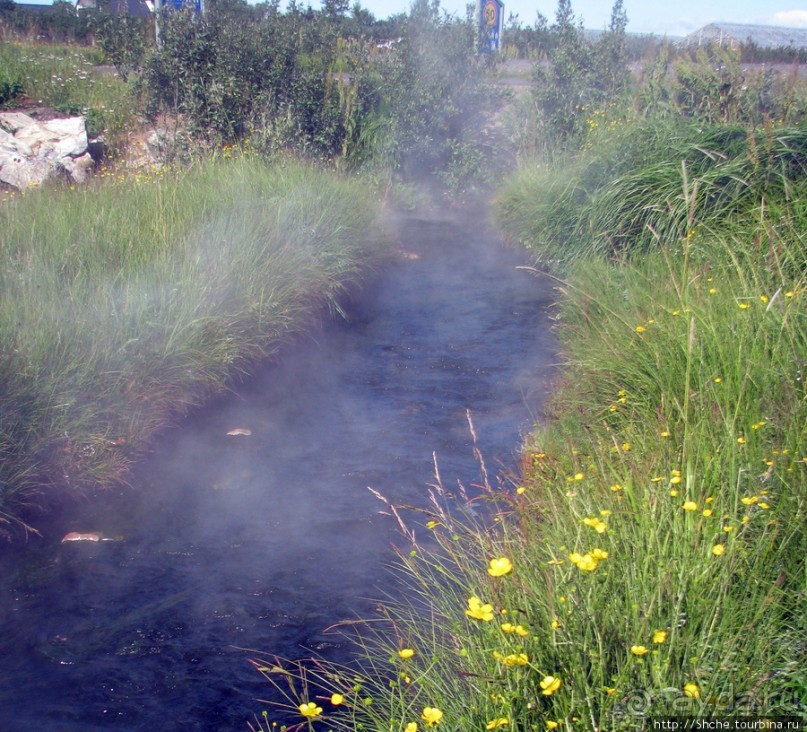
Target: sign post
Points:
(491, 21)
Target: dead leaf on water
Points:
(240, 432)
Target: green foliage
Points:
(11, 79)
(319, 84)
(580, 76)
(123, 41)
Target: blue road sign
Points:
(491, 20)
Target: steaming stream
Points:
(262, 540)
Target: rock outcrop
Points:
(33, 151)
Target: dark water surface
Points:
(263, 541)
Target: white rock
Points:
(31, 151)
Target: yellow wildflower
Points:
(500, 567)
(692, 690)
(660, 636)
(310, 709)
(596, 524)
(514, 659)
(406, 653)
(411, 727)
(337, 699)
(749, 500)
(690, 506)
(616, 487)
(638, 650)
(432, 716)
(585, 562)
(521, 490)
(478, 611)
(551, 724)
(640, 329)
(555, 624)
(719, 550)
(521, 630)
(500, 722)
(549, 685)
(707, 512)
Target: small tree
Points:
(611, 55)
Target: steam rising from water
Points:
(263, 540)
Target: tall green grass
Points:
(650, 180)
(127, 302)
(649, 559)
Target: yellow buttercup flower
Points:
(707, 512)
(411, 727)
(660, 636)
(692, 690)
(478, 611)
(495, 723)
(690, 506)
(406, 653)
(555, 624)
(551, 724)
(499, 567)
(597, 524)
(310, 709)
(516, 629)
(719, 550)
(549, 685)
(337, 699)
(432, 716)
(749, 500)
(514, 659)
(639, 650)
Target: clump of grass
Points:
(648, 181)
(129, 301)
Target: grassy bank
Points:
(127, 302)
(650, 559)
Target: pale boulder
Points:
(33, 151)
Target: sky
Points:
(670, 17)
(663, 17)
